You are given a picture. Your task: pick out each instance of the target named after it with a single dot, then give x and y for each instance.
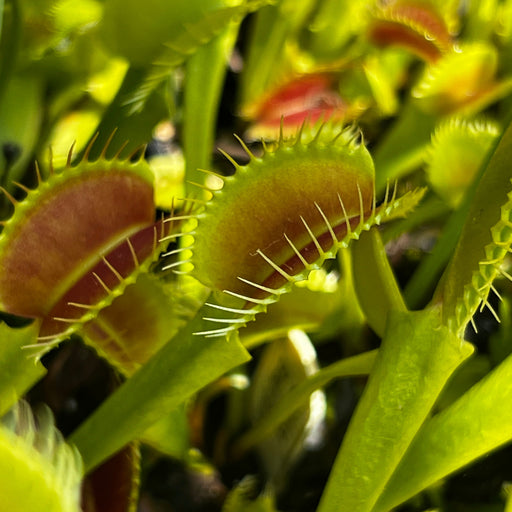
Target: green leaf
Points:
(134, 127)
(192, 27)
(18, 371)
(181, 368)
(21, 115)
(170, 434)
(479, 422)
(38, 470)
(376, 287)
(10, 37)
(403, 147)
(416, 358)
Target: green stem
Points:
(295, 398)
(11, 31)
(205, 73)
(416, 358)
(375, 284)
(403, 147)
(181, 368)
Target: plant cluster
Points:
(317, 316)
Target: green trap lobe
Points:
(254, 213)
(134, 326)
(58, 237)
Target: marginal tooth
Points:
(327, 223)
(107, 144)
(81, 306)
(361, 205)
(112, 268)
(120, 150)
(50, 337)
(216, 332)
(66, 320)
(307, 266)
(491, 309)
(22, 187)
(233, 310)
(180, 217)
(230, 158)
(177, 251)
(175, 264)
(133, 253)
(38, 174)
(272, 291)
(248, 299)
(321, 252)
(87, 149)
(505, 274)
(345, 216)
(201, 186)
(276, 267)
(226, 320)
(176, 235)
(102, 283)
(138, 153)
(245, 148)
(395, 191)
(11, 199)
(386, 195)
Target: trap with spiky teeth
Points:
(75, 245)
(281, 216)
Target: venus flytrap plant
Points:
(166, 298)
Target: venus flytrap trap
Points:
(426, 29)
(461, 146)
(327, 177)
(39, 470)
(87, 280)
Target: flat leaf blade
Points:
(479, 422)
(415, 360)
(182, 367)
(18, 371)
